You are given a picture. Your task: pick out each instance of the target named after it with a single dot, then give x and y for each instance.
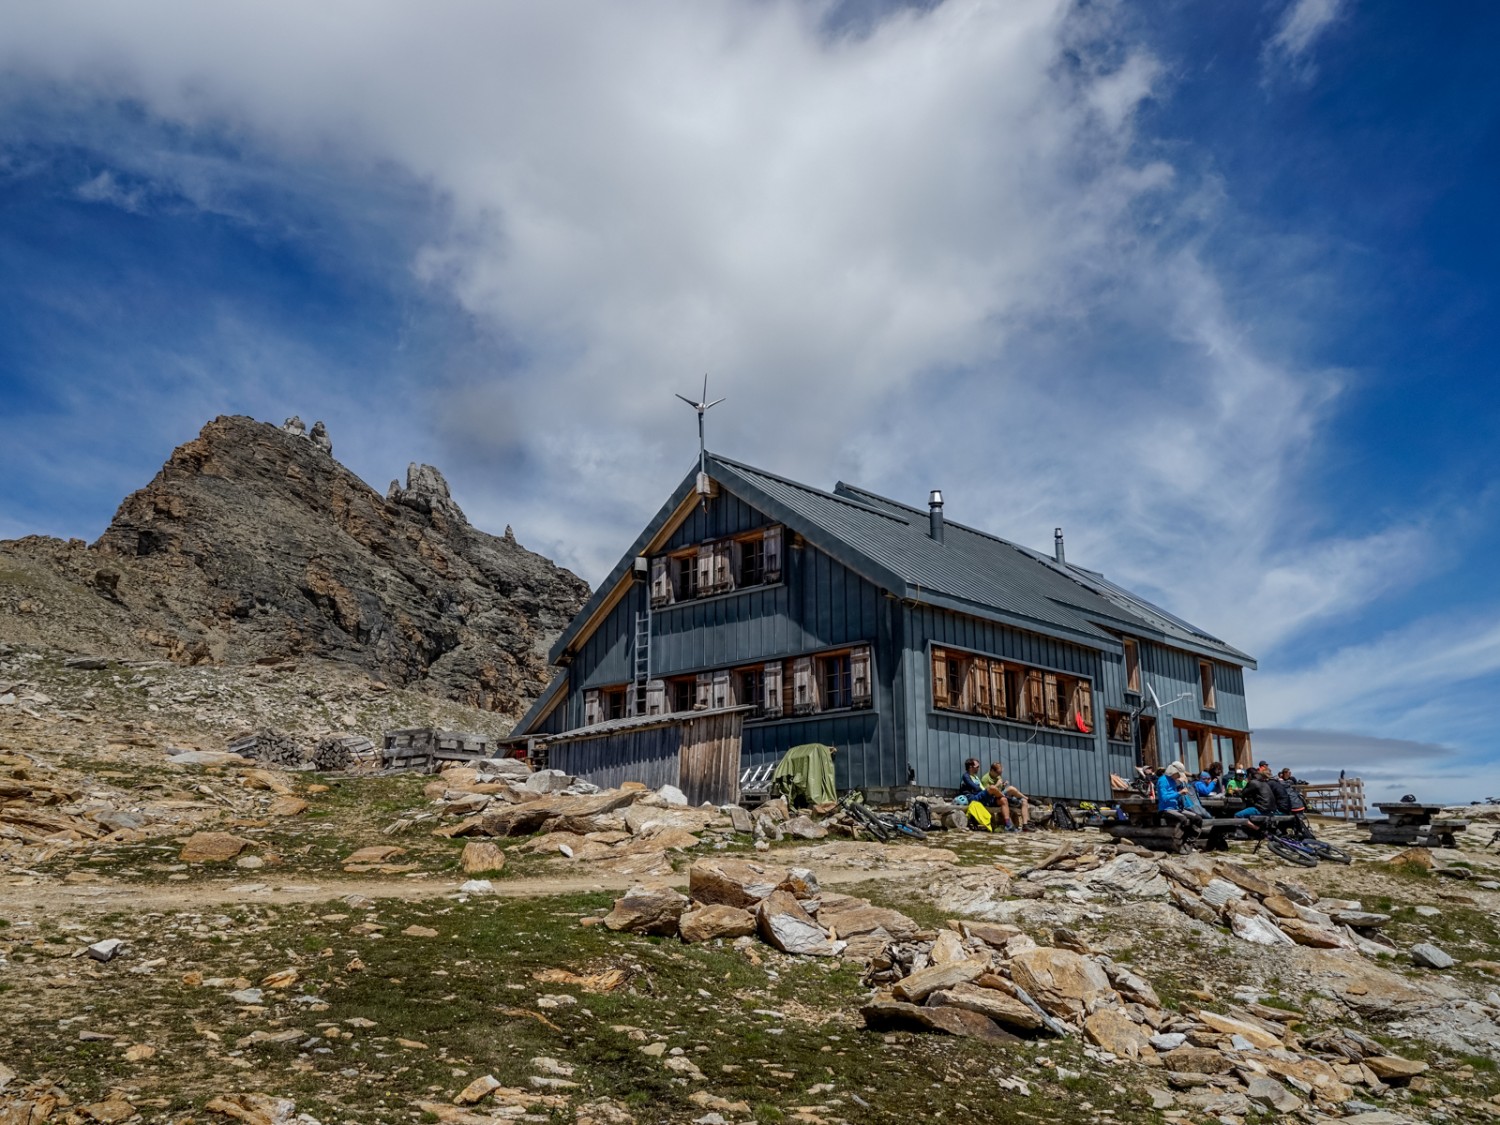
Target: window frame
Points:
(1132, 649)
(1028, 688)
(683, 567)
(1208, 688)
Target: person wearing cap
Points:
(1002, 796)
(1260, 798)
(1172, 802)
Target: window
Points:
(684, 693)
(752, 568)
(614, 703)
(751, 688)
(1132, 666)
(1117, 724)
(685, 580)
(1206, 682)
(717, 566)
(834, 679)
(982, 685)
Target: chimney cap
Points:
(935, 498)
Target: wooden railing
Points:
(1344, 799)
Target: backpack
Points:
(921, 815)
(1062, 818)
(980, 815)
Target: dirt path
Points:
(107, 898)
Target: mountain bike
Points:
(1280, 842)
(883, 826)
(1304, 835)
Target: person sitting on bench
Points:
(1171, 801)
(1003, 797)
(1260, 798)
(969, 784)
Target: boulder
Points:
(1245, 879)
(803, 828)
(481, 855)
(947, 949)
(287, 806)
(1272, 1094)
(1414, 857)
(211, 847)
(645, 820)
(672, 795)
(1394, 1068)
(1128, 875)
(848, 917)
(376, 854)
(1257, 929)
(786, 926)
(1064, 983)
(733, 882)
(547, 781)
(1196, 1060)
(993, 934)
(1229, 1025)
(999, 1006)
(528, 817)
(1280, 905)
(1194, 907)
(739, 819)
(704, 923)
(1431, 957)
(886, 1015)
(1219, 893)
(1132, 986)
(1316, 937)
(1115, 1032)
(802, 883)
(924, 982)
(1360, 919)
(647, 910)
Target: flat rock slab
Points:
(211, 847)
(1431, 957)
(526, 818)
(716, 921)
(1114, 1031)
(922, 983)
(894, 1015)
(992, 1003)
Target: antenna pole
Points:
(702, 407)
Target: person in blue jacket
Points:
(1172, 803)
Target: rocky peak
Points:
(426, 491)
(252, 543)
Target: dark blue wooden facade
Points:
(820, 603)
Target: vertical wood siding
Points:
(1172, 672)
(710, 767)
(1039, 760)
(649, 756)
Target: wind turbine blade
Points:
(714, 403)
(689, 401)
(705, 388)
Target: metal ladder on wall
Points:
(642, 659)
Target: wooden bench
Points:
(1414, 826)
(1166, 836)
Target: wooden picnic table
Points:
(1414, 825)
(1144, 824)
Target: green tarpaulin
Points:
(804, 776)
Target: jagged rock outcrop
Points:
(252, 543)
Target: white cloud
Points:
(930, 254)
(1301, 25)
(104, 188)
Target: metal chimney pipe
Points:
(935, 514)
(1057, 546)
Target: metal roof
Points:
(970, 571)
(636, 722)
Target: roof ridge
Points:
(733, 464)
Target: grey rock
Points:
(106, 950)
(1431, 957)
(86, 663)
(318, 435)
(1272, 1093)
(1168, 1041)
(247, 996)
(295, 425)
(1360, 919)
(548, 781)
(739, 819)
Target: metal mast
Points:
(702, 406)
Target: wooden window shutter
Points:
(1054, 708)
(591, 710)
(1132, 666)
(661, 581)
(721, 689)
(772, 688)
(940, 697)
(734, 553)
(705, 568)
(997, 689)
(772, 541)
(1082, 707)
(1036, 697)
(705, 694)
(978, 689)
(656, 697)
(804, 698)
(861, 683)
(632, 691)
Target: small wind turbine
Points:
(1156, 699)
(702, 406)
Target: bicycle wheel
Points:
(870, 822)
(910, 830)
(1285, 849)
(1324, 850)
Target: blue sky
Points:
(1211, 284)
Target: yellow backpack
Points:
(981, 815)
